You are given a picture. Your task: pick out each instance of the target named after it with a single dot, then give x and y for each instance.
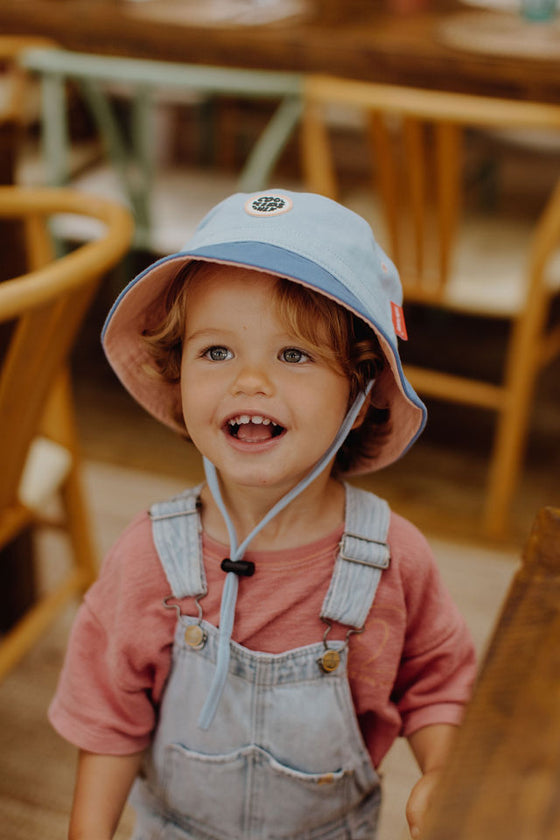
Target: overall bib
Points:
(284, 757)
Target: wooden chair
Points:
(21, 161)
(503, 777)
(167, 200)
(38, 447)
(14, 98)
(450, 258)
(17, 104)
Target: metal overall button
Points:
(329, 661)
(195, 636)
(331, 658)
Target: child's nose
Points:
(251, 380)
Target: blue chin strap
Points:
(229, 595)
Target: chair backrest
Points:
(133, 156)
(43, 310)
(503, 777)
(13, 76)
(17, 104)
(416, 142)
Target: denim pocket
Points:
(295, 801)
(207, 790)
(225, 794)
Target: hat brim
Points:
(140, 306)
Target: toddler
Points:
(253, 647)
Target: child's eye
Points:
(218, 354)
(293, 355)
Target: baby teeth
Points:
(243, 419)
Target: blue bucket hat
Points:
(303, 237)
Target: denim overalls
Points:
(284, 756)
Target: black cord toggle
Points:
(244, 568)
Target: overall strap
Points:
(363, 556)
(177, 537)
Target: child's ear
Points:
(362, 415)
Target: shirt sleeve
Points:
(438, 663)
(116, 664)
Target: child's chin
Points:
(259, 478)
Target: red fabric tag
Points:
(398, 321)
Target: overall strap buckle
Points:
(363, 556)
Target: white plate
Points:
(217, 12)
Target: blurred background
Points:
(439, 120)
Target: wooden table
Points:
(355, 38)
(503, 776)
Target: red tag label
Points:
(398, 321)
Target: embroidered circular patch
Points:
(268, 204)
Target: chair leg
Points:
(504, 469)
(60, 423)
(511, 433)
(85, 557)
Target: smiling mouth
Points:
(253, 429)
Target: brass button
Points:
(329, 661)
(195, 636)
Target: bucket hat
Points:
(303, 237)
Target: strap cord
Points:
(231, 586)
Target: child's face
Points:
(257, 401)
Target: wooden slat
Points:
(317, 158)
(450, 107)
(13, 520)
(503, 778)
(447, 386)
(40, 248)
(385, 178)
(448, 185)
(22, 373)
(416, 165)
(72, 270)
(550, 345)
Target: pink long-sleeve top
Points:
(412, 666)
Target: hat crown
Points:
(313, 227)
